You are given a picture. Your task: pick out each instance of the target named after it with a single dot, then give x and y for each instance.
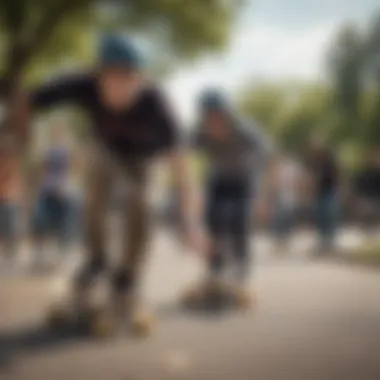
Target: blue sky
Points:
(274, 39)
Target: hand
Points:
(61, 191)
(262, 212)
(195, 239)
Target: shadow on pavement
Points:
(34, 340)
(13, 346)
(212, 310)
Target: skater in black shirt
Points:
(132, 126)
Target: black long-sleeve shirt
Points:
(367, 183)
(144, 129)
(326, 173)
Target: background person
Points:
(55, 212)
(326, 178)
(285, 194)
(235, 152)
(132, 126)
(10, 196)
(366, 191)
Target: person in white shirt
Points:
(286, 179)
(56, 209)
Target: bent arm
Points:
(185, 186)
(178, 158)
(69, 89)
(23, 104)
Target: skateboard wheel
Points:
(200, 295)
(57, 318)
(244, 300)
(101, 325)
(191, 297)
(213, 288)
(142, 324)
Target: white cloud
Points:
(277, 53)
(259, 51)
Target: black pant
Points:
(228, 215)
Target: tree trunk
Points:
(13, 100)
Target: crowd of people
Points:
(132, 124)
(303, 190)
(314, 190)
(308, 191)
(295, 186)
(43, 207)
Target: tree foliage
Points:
(37, 34)
(344, 110)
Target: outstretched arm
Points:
(23, 104)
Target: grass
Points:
(367, 254)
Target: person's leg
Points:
(292, 220)
(279, 223)
(325, 221)
(136, 219)
(75, 219)
(11, 243)
(2, 229)
(66, 224)
(95, 220)
(54, 211)
(288, 222)
(40, 225)
(240, 233)
(216, 214)
(8, 225)
(331, 209)
(217, 258)
(319, 220)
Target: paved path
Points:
(314, 320)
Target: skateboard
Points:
(98, 322)
(218, 295)
(97, 319)
(91, 321)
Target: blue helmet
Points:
(213, 100)
(115, 50)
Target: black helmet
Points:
(115, 50)
(213, 100)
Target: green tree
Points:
(48, 31)
(290, 112)
(344, 110)
(304, 119)
(345, 66)
(262, 102)
(371, 99)
(373, 50)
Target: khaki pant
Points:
(103, 170)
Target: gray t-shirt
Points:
(240, 157)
